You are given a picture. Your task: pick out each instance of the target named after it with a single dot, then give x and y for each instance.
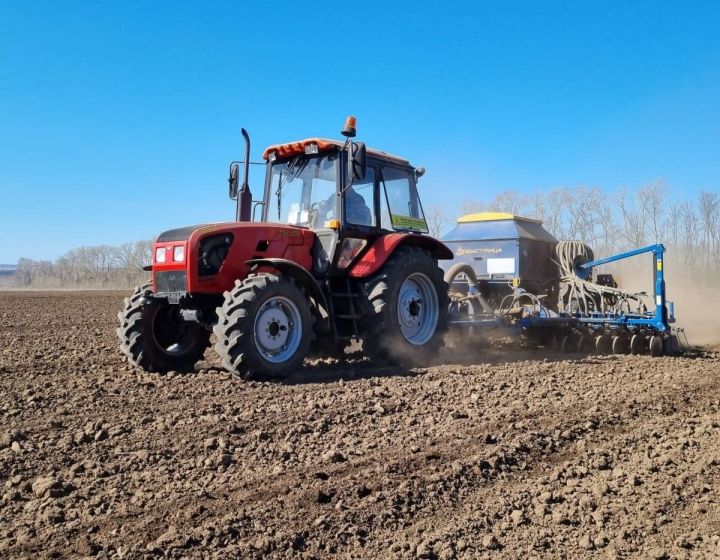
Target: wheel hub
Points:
(417, 309)
(411, 307)
(277, 329)
(273, 331)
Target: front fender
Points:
(297, 273)
(374, 258)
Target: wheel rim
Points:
(417, 309)
(278, 329)
(172, 334)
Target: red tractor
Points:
(339, 254)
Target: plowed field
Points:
(497, 453)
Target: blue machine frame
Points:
(661, 318)
(657, 321)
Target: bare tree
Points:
(672, 225)
(556, 212)
(470, 207)
(652, 198)
(632, 219)
(690, 232)
(437, 219)
(537, 206)
(607, 225)
(580, 210)
(708, 208)
(508, 201)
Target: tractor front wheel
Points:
(155, 337)
(407, 315)
(264, 326)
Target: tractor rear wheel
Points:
(407, 312)
(264, 327)
(155, 337)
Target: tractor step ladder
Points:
(353, 316)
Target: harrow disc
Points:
(656, 346)
(637, 344)
(585, 344)
(568, 343)
(603, 344)
(620, 345)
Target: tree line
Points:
(101, 266)
(611, 222)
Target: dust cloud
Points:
(695, 294)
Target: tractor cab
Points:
(345, 193)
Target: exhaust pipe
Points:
(244, 199)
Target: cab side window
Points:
(401, 209)
(360, 200)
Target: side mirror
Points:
(233, 180)
(358, 161)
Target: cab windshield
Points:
(302, 190)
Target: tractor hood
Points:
(268, 231)
(177, 234)
(209, 258)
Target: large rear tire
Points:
(154, 337)
(264, 327)
(407, 312)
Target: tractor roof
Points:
(323, 144)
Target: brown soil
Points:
(501, 454)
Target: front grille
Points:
(213, 252)
(171, 281)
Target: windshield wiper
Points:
(283, 181)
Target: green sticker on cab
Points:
(408, 222)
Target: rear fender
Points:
(297, 273)
(374, 258)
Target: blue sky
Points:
(118, 119)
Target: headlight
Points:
(160, 254)
(349, 250)
(178, 253)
